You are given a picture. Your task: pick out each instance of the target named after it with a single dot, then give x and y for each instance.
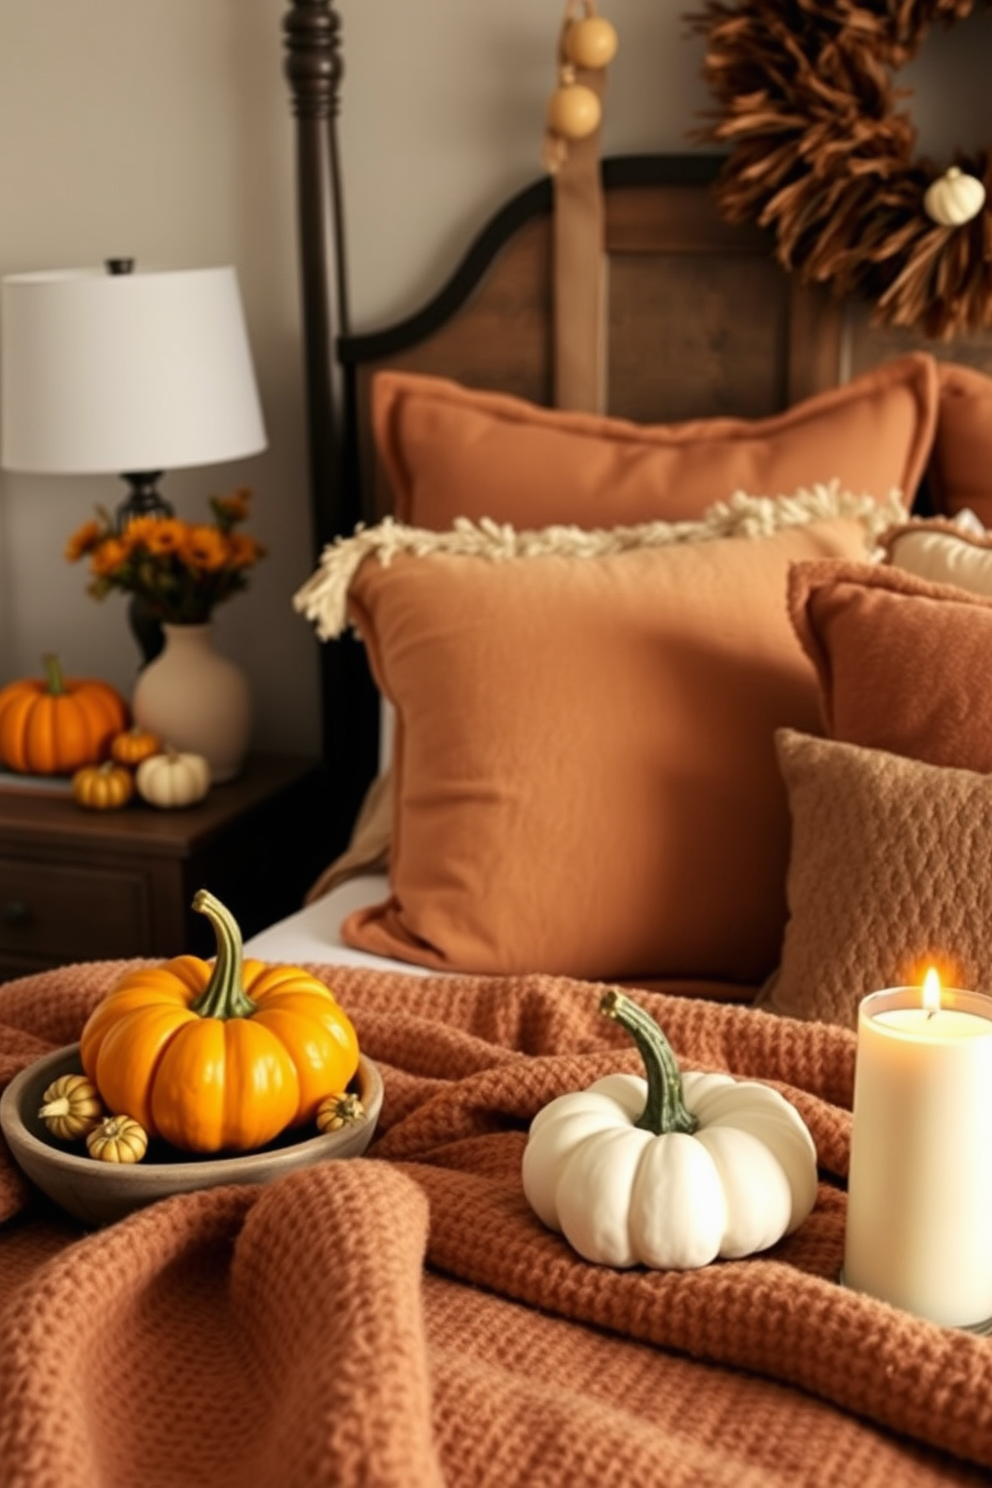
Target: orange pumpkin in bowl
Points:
(55, 724)
(223, 1055)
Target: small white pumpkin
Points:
(172, 779)
(672, 1171)
(954, 198)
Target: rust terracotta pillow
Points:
(450, 451)
(889, 872)
(960, 469)
(900, 660)
(585, 774)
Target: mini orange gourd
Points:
(118, 1139)
(134, 745)
(103, 787)
(71, 1107)
(338, 1111)
(55, 724)
(222, 1055)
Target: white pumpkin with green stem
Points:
(173, 778)
(670, 1171)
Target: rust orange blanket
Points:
(402, 1320)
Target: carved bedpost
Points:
(314, 69)
(349, 702)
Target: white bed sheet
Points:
(313, 934)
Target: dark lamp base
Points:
(143, 499)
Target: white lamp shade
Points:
(120, 373)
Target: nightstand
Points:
(79, 885)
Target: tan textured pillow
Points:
(900, 661)
(586, 781)
(890, 871)
(451, 451)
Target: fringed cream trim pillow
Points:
(323, 598)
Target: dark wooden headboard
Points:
(701, 321)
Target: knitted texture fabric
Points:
(404, 1319)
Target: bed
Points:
(679, 695)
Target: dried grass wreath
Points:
(820, 154)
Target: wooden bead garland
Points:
(588, 43)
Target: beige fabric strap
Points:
(579, 276)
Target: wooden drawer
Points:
(58, 912)
(108, 885)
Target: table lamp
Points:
(114, 370)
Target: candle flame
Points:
(931, 991)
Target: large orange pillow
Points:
(900, 660)
(960, 471)
(450, 451)
(586, 781)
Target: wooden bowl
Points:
(99, 1193)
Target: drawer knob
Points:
(15, 912)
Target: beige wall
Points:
(160, 129)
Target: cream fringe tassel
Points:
(323, 598)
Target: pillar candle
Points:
(919, 1218)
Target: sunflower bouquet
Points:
(180, 569)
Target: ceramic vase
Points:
(195, 699)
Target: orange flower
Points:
(111, 554)
(181, 569)
(84, 540)
(138, 531)
(243, 550)
(204, 547)
(163, 535)
(233, 508)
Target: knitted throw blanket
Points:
(403, 1321)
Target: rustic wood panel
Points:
(694, 336)
(679, 218)
(866, 345)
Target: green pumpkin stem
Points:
(54, 678)
(664, 1110)
(224, 995)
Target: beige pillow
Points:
(585, 775)
(890, 871)
(943, 552)
(369, 846)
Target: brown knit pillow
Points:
(890, 871)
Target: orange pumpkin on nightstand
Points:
(55, 724)
(134, 745)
